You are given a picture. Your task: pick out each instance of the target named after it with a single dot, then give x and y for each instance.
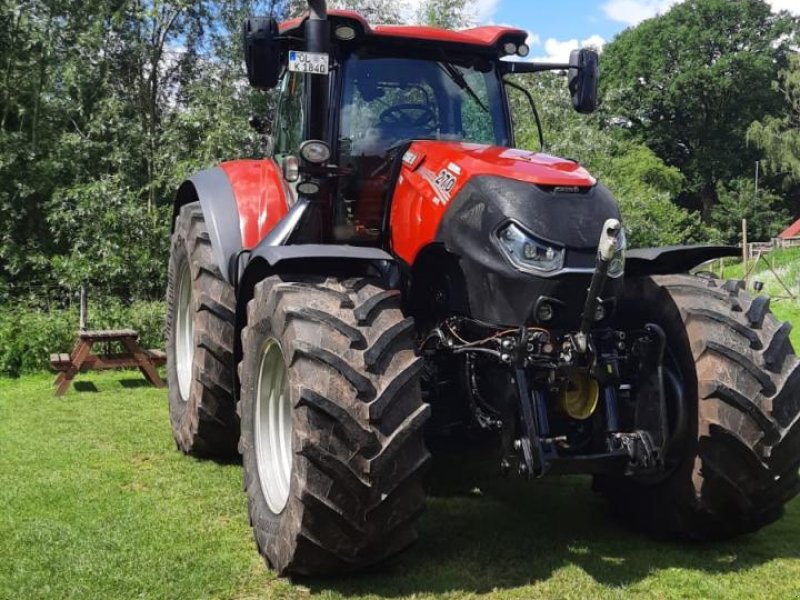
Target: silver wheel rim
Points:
(273, 428)
(184, 332)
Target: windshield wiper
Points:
(457, 78)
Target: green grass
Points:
(95, 502)
(790, 311)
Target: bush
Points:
(28, 336)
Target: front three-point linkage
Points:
(532, 444)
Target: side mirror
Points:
(584, 73)
(262, 52)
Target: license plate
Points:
(315, 63)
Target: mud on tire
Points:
(355, 490)
(201, 408)
(738, 465)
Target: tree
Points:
(738, 201)
(691, 82)
(104, 107)
(375, 11)
(779, 136)
(447, 14)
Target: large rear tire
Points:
(738, 463)
(200, 320)
(332, 418)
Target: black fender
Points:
(324, 259)
(213, 190)
(673, 259)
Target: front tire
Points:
(200, 322)
(330, 366)
(738, 465)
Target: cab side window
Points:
(290, 116)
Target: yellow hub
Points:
(579, 396)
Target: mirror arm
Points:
(528, 95)
(533, 67)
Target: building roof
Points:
(791, 232)
(486, 37)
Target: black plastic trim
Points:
(274, 255)
(673, 259)
(214, 191)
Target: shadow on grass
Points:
(521, 533)
(84, 386)
(134, 383)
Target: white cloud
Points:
(485, 10)
(633, 12)
(533, 40)
(594, 41)
(557, 51)
(793, 6)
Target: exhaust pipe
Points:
(318, 40)
(317, 10)
(318, 35)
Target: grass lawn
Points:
(95, 502)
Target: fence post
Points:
(83, 309)
(745, 253)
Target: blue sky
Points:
(575, 19)
(557, 27)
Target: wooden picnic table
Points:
(83, 359)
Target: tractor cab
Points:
(377, 89)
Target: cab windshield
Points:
(387, 101)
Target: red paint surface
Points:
(792, 231)
(261, 196)
(418, 208)
(477, 36)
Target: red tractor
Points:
(394, 272)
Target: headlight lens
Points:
(528, 253)
(617, 266)
(315, 151)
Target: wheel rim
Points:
(273, 428)
(184, 332)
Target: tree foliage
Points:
(778, 137)
(448, 14)
(375, 11)
(127, 98)
(692, 81)
(738, 200)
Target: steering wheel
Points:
(408, 115)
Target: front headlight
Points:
(617, 265)
(528, 253)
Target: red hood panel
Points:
(522, 165)
(434, 173)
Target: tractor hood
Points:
(472, 160)
(441, 184)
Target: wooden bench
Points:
(82, 359)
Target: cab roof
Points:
(478, 38)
